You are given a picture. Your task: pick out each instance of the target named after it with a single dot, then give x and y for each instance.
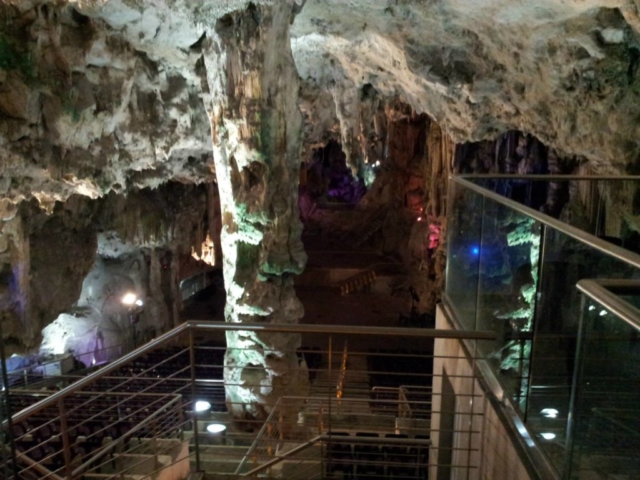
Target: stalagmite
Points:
(256, 130)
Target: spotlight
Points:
(549, 412)
(202, 406)
(548, 435)
(139, 303)
(592, 308)
(603, 313)
(129, 298)
(475, 251)
(419, 219)
(216, 428)
(377, 164)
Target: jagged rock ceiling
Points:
(117, 100)
(111, 96)
(562, 70)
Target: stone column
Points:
(256, 128)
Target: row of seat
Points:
(93, 422)
(90, 425)
(360, 461)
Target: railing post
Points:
(583, 329)
(9, 411)
(269, 434)
(66, 447)
(329, 406)
(194, 417)
(154, 440)
(535, 324)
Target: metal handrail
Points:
(88, 380)
(343, 372)
(340, 330)
(336, 439)
(393, 390)
(104, 450)
(404, 408)
(176, 335)
(598, 244)
(36, 466)
(224, 326)
(526, 446)
(284, 456)
(261, 433)
(167, 401)
(613, 303)
(404, 399)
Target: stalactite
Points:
(440, 154)
(438, 165)
(347, 103)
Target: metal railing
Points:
(583, 237)
(515, 269)
(108, 422)
(53, 443)
(343, 373)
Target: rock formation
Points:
(103, 100)
(256, 127)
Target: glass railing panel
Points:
(597, 206)
(509, 264)
(606, 435)
(531, 193)
(463, 254)
(565, 261)
(526, 292)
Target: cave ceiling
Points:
(112, 93)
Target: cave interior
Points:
(288, 162)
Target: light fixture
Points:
(202, 406)
(129, 298)
(549, 412)
(592, 308)
(548, 435)
(419, 219)
(216, 428)
(139, 303)
(603, 313)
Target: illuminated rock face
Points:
(256, 129)
(104, 96)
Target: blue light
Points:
(475, 251)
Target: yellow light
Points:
(129, 298)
